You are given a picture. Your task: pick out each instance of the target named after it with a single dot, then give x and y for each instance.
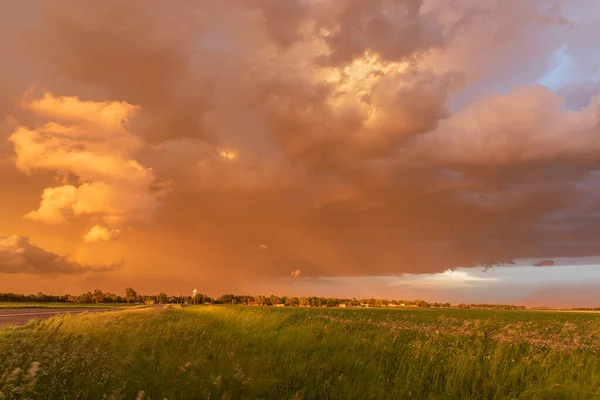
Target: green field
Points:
(236, 352)
(10, 305)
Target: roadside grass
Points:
(235, 352)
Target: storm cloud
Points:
(339, 138)
(19, 256)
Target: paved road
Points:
(24, 315)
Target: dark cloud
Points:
(19, 256)
(544, 263)
(138, 52)
(396, 29)
(282, 20)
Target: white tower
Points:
(194, 293)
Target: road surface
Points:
(24, 315)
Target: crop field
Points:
(237, 352)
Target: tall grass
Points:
(254, 352)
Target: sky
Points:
(383, 148)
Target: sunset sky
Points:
(381, 148)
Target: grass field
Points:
(236, 352)
(10, 305)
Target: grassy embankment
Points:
(255, 352)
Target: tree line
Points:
(131, 296)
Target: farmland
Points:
(234, 352)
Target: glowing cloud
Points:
(57, 204)
(111, 114)
(355, 83)
(446, 279)
(94, 150)
(228, 154)
(101, 233)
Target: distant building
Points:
(279, 305)
(252, 303)
(342, 305)
(149, 302)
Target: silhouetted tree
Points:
(130, 295)
(97, 296)
(162, 298)
(274, 300)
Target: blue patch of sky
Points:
(559, 71)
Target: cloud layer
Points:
(332, 137)
(19, 256)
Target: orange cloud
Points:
(112, 114)
(57, 204)
(100, 233)
(96, 150)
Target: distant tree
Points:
(97, 296)
(291, 301)
(381, 302)
(130, 295)
(162, 298)
(303, 301)
(85, 298)
(331, 302)
(243, 299)
(372, 303)
(274, 300)
(421, 303)
(110, 298)
(226, 299)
